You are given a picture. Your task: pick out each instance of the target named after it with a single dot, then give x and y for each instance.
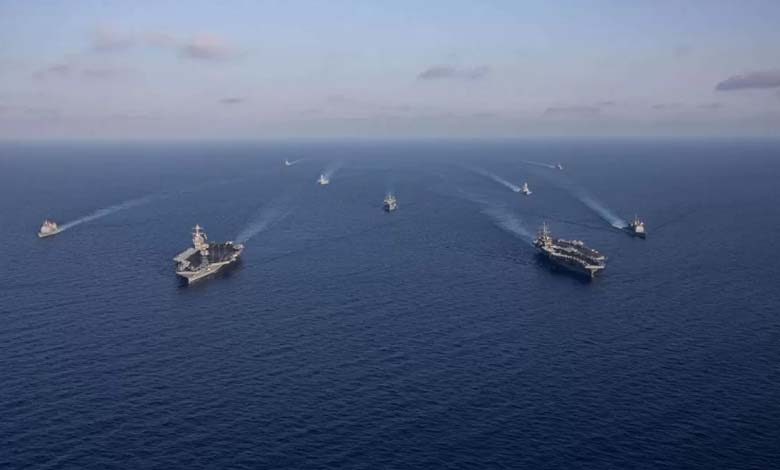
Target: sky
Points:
(388, 69)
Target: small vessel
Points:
(287, 162)
(636, 228)
(205, 258)
(390, 203)
(524, 189)
(559, 166)
(323, 180)
(572, 255)
(48, 229)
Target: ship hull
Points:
(635, 234)
(570, 267)
(221, 256)
(50, 234)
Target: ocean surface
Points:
(431, 337)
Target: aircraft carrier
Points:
(572, 255)
(205, 258)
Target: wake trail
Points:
(543, 165)
(331, 169)
(499, 180)
(589, 201)
(100, 213)
(601, 209)
(265, 218)
(508, 221)
(501, 216)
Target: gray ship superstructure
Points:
(205, 258)
(390, 203)
(48, 229)
(636, 228)
(569, 254)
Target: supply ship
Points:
(390, 203)
(572, 255)
(205, 258)
(48, 229)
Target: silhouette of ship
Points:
(572, 255)
(205, 258)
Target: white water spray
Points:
(106, 211)
(293, 162)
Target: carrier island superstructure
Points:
(205, 258)
(572, 255)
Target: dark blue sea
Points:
(431, 337)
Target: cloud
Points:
(71, 70)
(205, 48)
(108, 40)
(232, 100)
(711, 106)
(448, 72)
(54, 71)
(572, 111)
(666, 106)
(752, 80)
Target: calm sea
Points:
(431, 337)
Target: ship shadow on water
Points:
(555, 270)
(224, 273)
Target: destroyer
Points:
(48, 229)
(323, 180)
(203, 258)
(569, 254)
(391, 203)
(524, 189)
(636, 228)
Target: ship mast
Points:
(199, 241)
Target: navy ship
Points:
(572, 255)
(525, 190)
(559, 166)
(323, 180)
(205, 258)
(48, 229)
(390, 203)
(636, 228)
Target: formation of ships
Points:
(204, 258)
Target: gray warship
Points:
(572, 255)
(390, 203)
(205, 258)
(636, 228)
(48, 229)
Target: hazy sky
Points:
(267, 69)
